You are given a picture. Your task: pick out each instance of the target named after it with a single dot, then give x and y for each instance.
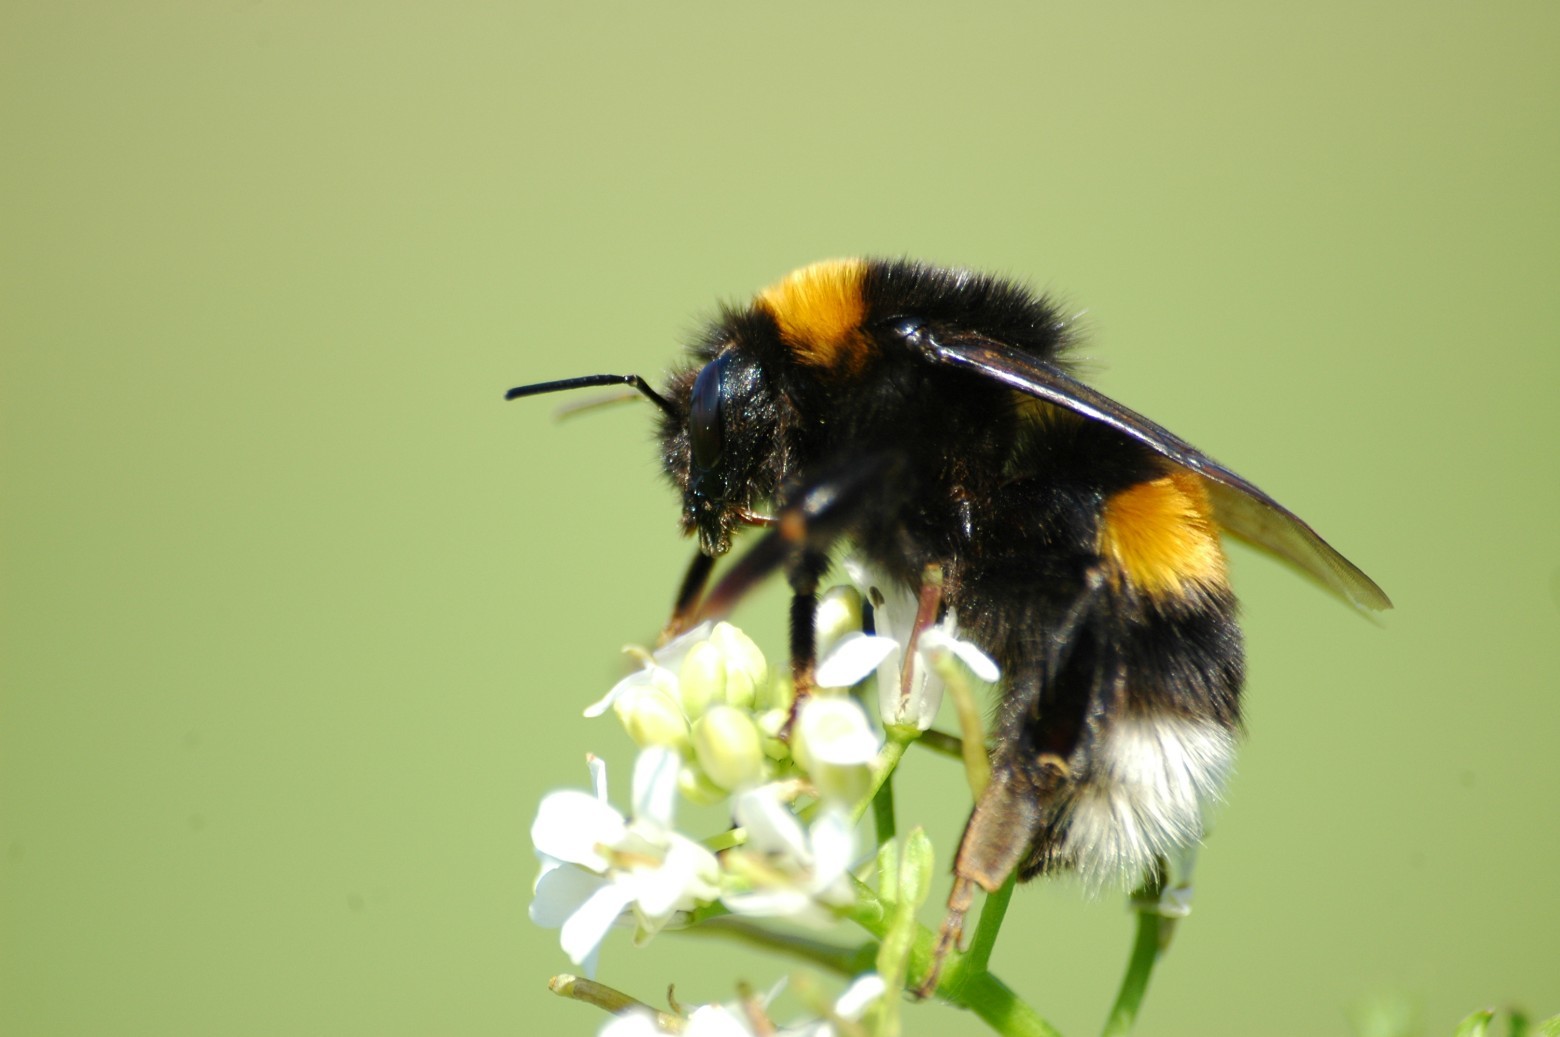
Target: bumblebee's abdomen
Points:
(1159, 537)
(1115, 627)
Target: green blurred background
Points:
(299, 617)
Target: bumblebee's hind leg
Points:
(1059, 673)
(997, 838)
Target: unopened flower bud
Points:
(916, 867)
(652, 717)
(839, 613)
(702, 679)
(727, 745)
(696, 787)
(746, 670)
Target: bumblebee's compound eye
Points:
(705, 435)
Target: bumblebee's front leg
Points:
(803, 575)
(687, 603)
(803, 531)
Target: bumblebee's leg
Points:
(799, 542)
(996, 840)
(804, 573)
(688, 592)
(805, 529)
(929, 605)
(1026, 778)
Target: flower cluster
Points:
(708, 716)
(708, 696)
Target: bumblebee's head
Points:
(719, 434)
(718, 444)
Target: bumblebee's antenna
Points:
(587, 381)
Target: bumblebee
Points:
(930, 418)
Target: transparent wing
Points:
(1239, 506)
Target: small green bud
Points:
(778, 694)
(696, 787)
(915, 872)
(839, 613)
(770, 723)
(842, 784)
(888, 870)
(904, 879)
(746, 669)
(702, 679)
(652, 717)
(727, 745)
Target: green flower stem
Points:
(1153, 936)
(1002, 1010)
(608, 999)
(963, 982)
(943, 743)
(887, 762)
(977, 765)
(726, 840)
(991, 914)
(1145, 952)
(883, 812)
(844, 961)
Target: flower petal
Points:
(601, 705)
(833, 846)
(585, 929)
(685, 879)
(771, 828)
(598, 775)
(636, 1022)
(655, 785)
(770, 903)
(858, 997)
(836, 731)
(979, 663)
(570, 824)
(560, 892)
(853, 659)
(716, 1021)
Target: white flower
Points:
(597, 864)
(835, 744)
(790, 872)
(834, 730)
(659, 672)
(852, 1005)
(855, 656)
(714, 1020)
(717, 1020)
(638, 1022)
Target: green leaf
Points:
(1476, 1025)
